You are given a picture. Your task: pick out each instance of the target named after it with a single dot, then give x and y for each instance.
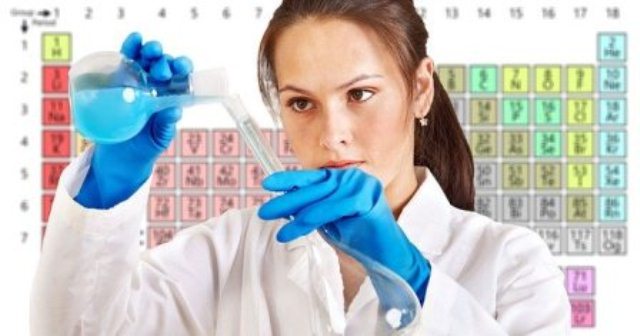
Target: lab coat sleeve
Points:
(92, 278)
(530, 300)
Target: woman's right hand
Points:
(118, 170)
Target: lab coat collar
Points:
(425, 218)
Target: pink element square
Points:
(194, 208)
(226, 143)
(284, 147)
(253, 176)
(267, 137)
(194, 143)
(159, 235)
(55, 79)
(222, 203)
(56, 111)
(164, 176)
(226, 175)
(51, 172)
(170, 151)
(582, 313)
(194, 175)
(256, 199)
(162, 208)
(580, 280)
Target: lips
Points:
(342, 164)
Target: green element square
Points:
(515, 112)
(548, 111)
(548, 144)
(484, 79)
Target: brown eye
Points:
(299, 105)
(360, 95)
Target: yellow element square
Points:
(452, 78)
(484, 111)
(580, 111)
(81, 144)
(515, 144)
(580, 208)
(515, 175)
(580, 175)
(548, 176)
(484, 144)
(580, 79)
(548, 79)
(515, 79)
(580, 144)
(56, 47)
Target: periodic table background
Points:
(544, 92)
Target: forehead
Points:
(332, 49)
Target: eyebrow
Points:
(351, 82)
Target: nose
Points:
(336, 130)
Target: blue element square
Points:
(612, 208)
(613, 144)
(612, 176)
(612, 47)
(612, 79)
(612, 111)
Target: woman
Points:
(386, 170)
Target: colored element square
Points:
(515, 79)
(163, 176)
(226, 143)
(580, 79)
(267, 134)
(515, 175)
(613, 144)
(548, 78)
(193, 208)
(580, 176)
(56, 47)
(226, 175)
(194, 143)
(158, 235)
(580, 240)
(580, 208)
(582, 313)
(484, 111)
(515, 208)
(580, 144)
(515, 144)
(548, 144)
(548, 176)
(613, 208)
(253, 176)
(55, 79)
(612, 79)
(580, 280)
(548, 111)
(222, 203)
(51, 174)
(56, 143)
(284, 147)
(484, 79)
(194, 175)
(515, 112)
(252, 200)
(452, 78)
(612, 47)
(47, 201)
(580, 112)
(484, 144)
(162, 208)
(612, 176)
(613, 111)
(548, 208)
(55, 111)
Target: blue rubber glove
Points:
(118, 170)
(351, 205)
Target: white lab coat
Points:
(229, 276)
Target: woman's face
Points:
(342, 97)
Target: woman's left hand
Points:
(351, 205)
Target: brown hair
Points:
(441, 145)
